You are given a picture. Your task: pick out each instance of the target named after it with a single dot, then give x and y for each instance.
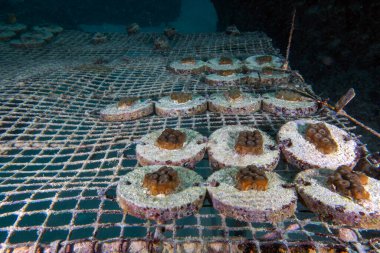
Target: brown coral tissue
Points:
(349, 183)
(251, 178)
(249, 142)
(171, 139)
(163, 181)
(320, 136)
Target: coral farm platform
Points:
(60, 163)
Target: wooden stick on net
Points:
(286, 63)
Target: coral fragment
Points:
(163, 181)
(349, 183)
(171, 139)
(251, 178)
(249, 142)
(319, 135)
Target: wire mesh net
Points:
(59, 163)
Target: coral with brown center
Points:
(163, 181)
(349, 183)
(233, 94)
(188, 60)
(181, 97)
(225, 61)
(126, 102)
(251, 178)
(171, 139)
(320, 136)
(226, 72)
(289, 95)
(249, 142)
(263, 59)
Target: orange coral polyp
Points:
(251, 178)
(163, 181)
(349, 183)
(319, 135)
(249, 142)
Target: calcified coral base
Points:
(127, 109)
(184, 201)
(286, 105)
(330, 205)
(187, 65)
(222, 152)
(273, 204)
(192, 150)
(223, 103)
(168, 107)
(303, 154)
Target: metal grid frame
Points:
(59, 164)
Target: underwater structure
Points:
(166, 141)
